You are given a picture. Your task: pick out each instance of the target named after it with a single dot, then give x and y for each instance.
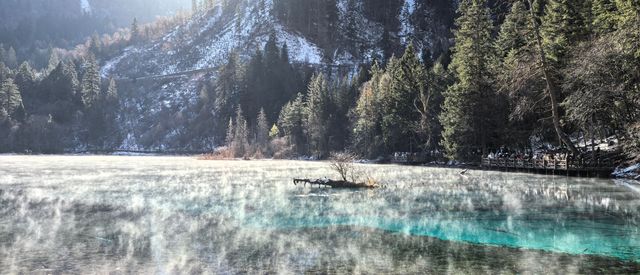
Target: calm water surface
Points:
(165, 215)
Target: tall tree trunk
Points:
(552, 89)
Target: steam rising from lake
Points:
(90, 214)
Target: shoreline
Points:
(618, 174)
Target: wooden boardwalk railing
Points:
(597, 166)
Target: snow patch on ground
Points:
(631, 172)
(85, 6)
(405, 19)
(110, 65)
(300, 49)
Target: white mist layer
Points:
(91, 214)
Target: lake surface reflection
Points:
(93, 214)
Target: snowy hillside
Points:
(161, 77)
(206, 41)
(85, 6)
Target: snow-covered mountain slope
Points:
(207, 40)
(85, 6)
(159, 79)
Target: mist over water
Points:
(164, 215)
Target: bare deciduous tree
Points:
(343, 164)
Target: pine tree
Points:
(11, 100)
(548, 65)
(231, 131)
(366, 133)
(262, 131)
(110, 107)
(135, 31)
(275, 77)
(351, 27)
(111, 96)
(562, 25)
(317, 106)
(241, 135)
(429, 106)
(25, 79)
(227, 93)
(284, 54)
(400, 117)
(3, 54)
(604, 16)
(292, 120)
(90, 82)
(4, 72)
(95, 45)
(465, 116)
(515, 32)
(64, 84)
(254, 93)
(628, 23)
(271, 51)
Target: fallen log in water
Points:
(335, 183)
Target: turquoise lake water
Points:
(164, 215)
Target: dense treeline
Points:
(335, 31)
(65, 105)
(552, 71)
(57, 109)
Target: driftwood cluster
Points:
(343, 164)
(335, 183)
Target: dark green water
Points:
(166, 215)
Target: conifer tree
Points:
(293, 120)
(317, 106)
(25, 79)
(241, 135)
(404, 101)
(3, 54)
(11, 100)
(227, 92)
(262, 131)
(4, 72)
(95, 45)
(465, 116)
(604, 16)
(366, 129)
(109, 109)
(231, 131)
(562, 25)
(254, 93)
(65, 84)
(515, 32)
(135, 31)
(90, 82)
(548, 64)
(351, 27)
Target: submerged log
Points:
(335, 183)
